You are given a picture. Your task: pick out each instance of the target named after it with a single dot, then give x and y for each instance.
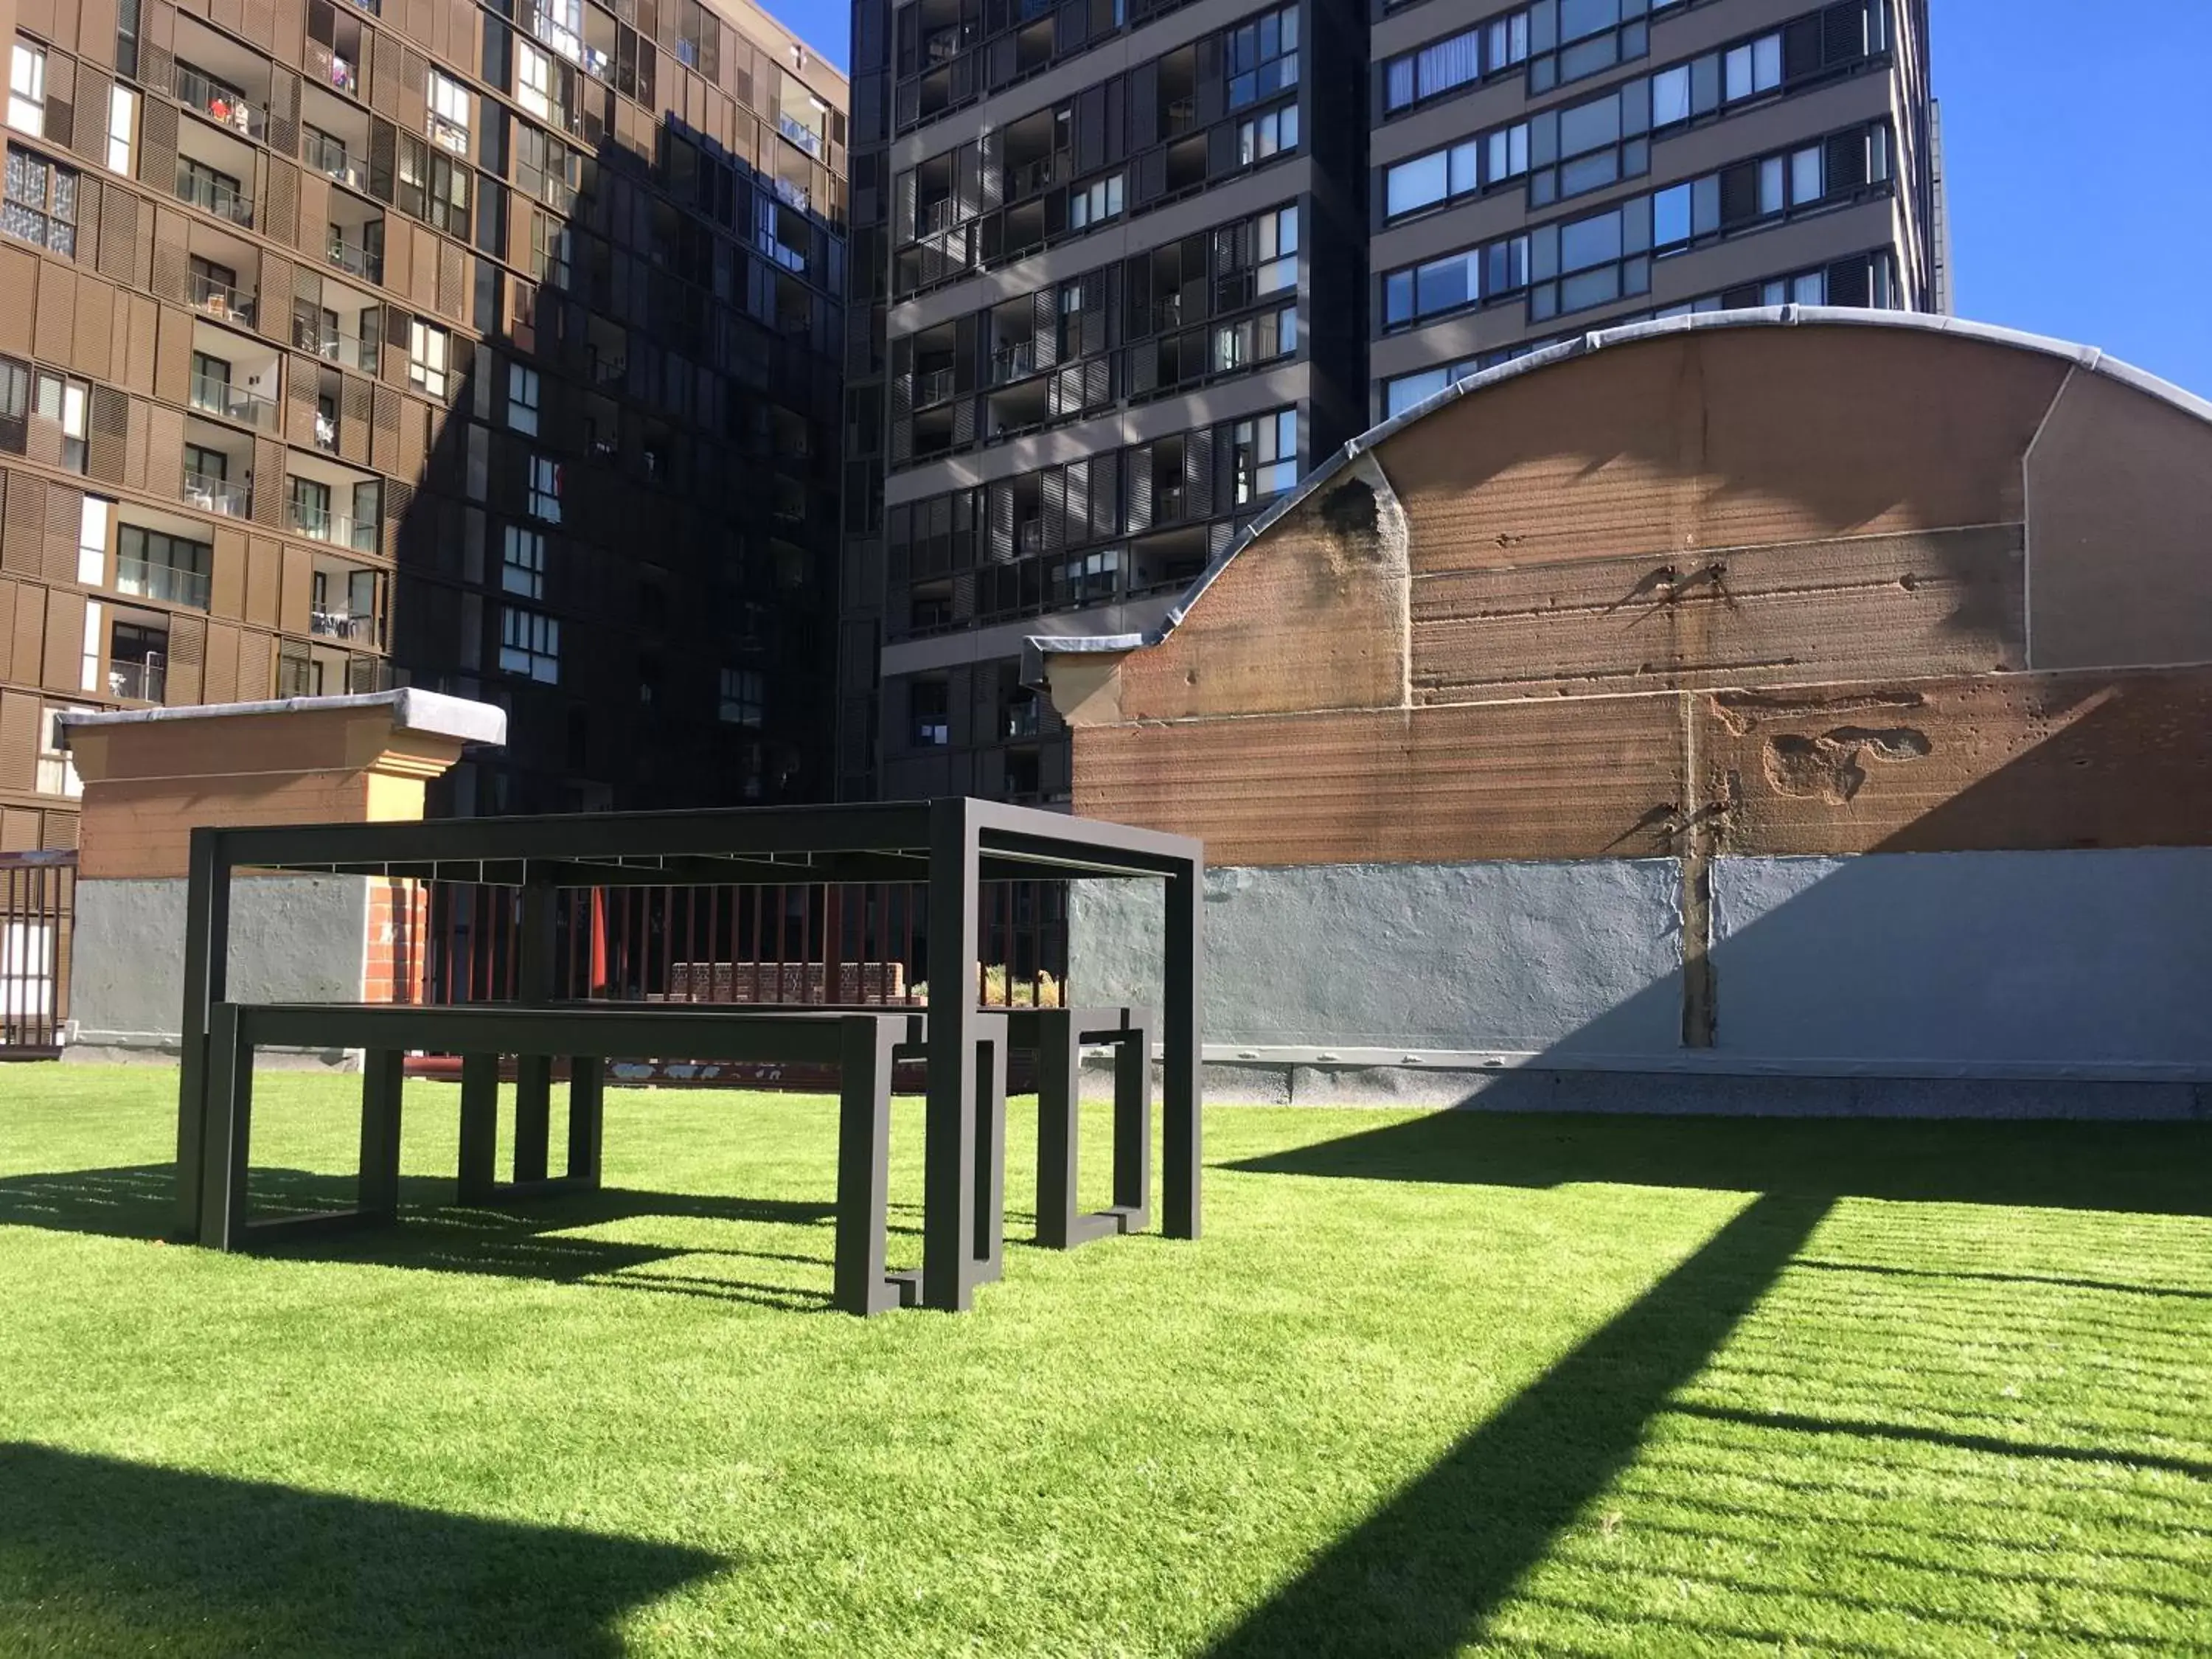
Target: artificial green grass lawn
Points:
(1518, 1385)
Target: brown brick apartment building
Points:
(493, 350)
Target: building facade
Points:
(1121, 273)
(492, 350)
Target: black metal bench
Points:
(862, 1044)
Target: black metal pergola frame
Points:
(950, 845)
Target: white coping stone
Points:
(413, 710)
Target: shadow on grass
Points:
(535, 1239)
(98, 1556)
(1417, 1575)
(2140, 1168)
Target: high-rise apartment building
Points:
(489, 347)
(1122, 271)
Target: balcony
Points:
(342, 625)
(232, 403)
(138, 682)
(225, 106)
(142, 578)
(212, 196)
(1013, 362)
(1028, 535)
(320, 524)
(225, 304)
(326, 433)
(933, 217)
(327, 156)
(334, 345)
(799, 133)
(210, 495)
(1026, 179)
(943, 46)
(932, 387)
(1021, 718)
(354, 258)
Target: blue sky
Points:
(2077, 134)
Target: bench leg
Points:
(990, 1159)
(479, 1128)
(379, 1135)
(864, 1150)
(227, 1133)
(1132, 1129)
(587, 1106)
(533, 1116)
(1058, 1059)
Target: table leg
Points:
(991, 1156)
(381, 1077)
(533, 1116)
(479, 1128)
(1132, 1126)
(948, 1222)
(225, 1156)
(587, 1107)
(864, 1145)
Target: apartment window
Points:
(1095, 204)
(1670, 96)
(744, 697)
(1752, 68)
(1268, 134)
(26, 89)
(427, 349)
(530, 644)
(1263, 56)
(67, 402)
(1456, 61)
(546, 488)
(1255, 339)
(549, 239)
(449, 120)
(448, 205)
(1456, 171)
(1454, 280)
(929, 705)
(1264, 455)
(522, 563)
(547, 169)
(92, 540)
(41, 203)
(122, 117)
(522, 399)
(1277, 247)
(533, 80)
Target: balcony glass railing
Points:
(137, 682)
(341, 625)
(333, 345)
(216, 300)
(326, 432)
(213, 196)
(142, 578)
(932, 387)
(224, 105)
(328, 157)
(210, 495)
(234, 402)
(799, 132)
(1027, 177)
(356, 258)
(324, 525)
(932, 217)
(1013, 362)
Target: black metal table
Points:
(952, 845)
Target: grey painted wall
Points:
(2002, 965)
(292, 938)
(2092, 957)
(1510, 957)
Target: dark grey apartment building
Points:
(1120, 272)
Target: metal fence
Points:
(795, 943)
(38, 908)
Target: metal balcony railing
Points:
(930, 218)
(322, 525)
(1013, 362)
(341, 625)
(212, 494)
(356, 258)
(932, 387)
(225, 105)
(1022, 720)
(214, 299)
(216, 397)
(1029, 536)
(138, 682)
(1030, 177)
(143, 578)
(213, 196)
(333, 346)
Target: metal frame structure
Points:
(951, 844)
